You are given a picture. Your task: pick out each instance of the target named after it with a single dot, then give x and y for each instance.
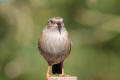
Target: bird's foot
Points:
(62, 75)
(47, 76)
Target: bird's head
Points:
(55, 23)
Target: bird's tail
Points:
(57, 68)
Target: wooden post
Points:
(63, 78)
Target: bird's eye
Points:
(52, 22)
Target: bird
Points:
(54, 45)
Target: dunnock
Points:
(55, 45)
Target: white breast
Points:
(55, 42)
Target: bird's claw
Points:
(62, 75)
(47, 76)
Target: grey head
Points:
(56, 23)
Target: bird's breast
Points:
(54, 42)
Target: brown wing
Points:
(39, 42)
(69, 43)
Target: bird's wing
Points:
(69, 42)
(39, 42)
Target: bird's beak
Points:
(59, 26)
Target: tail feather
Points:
(57, 68)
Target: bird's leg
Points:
(48, 75)
(62, 70)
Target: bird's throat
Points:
(59, 28)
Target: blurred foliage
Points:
(94, 27)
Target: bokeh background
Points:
(94, 27)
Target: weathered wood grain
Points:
(63, 78)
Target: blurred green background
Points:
(94, 27)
